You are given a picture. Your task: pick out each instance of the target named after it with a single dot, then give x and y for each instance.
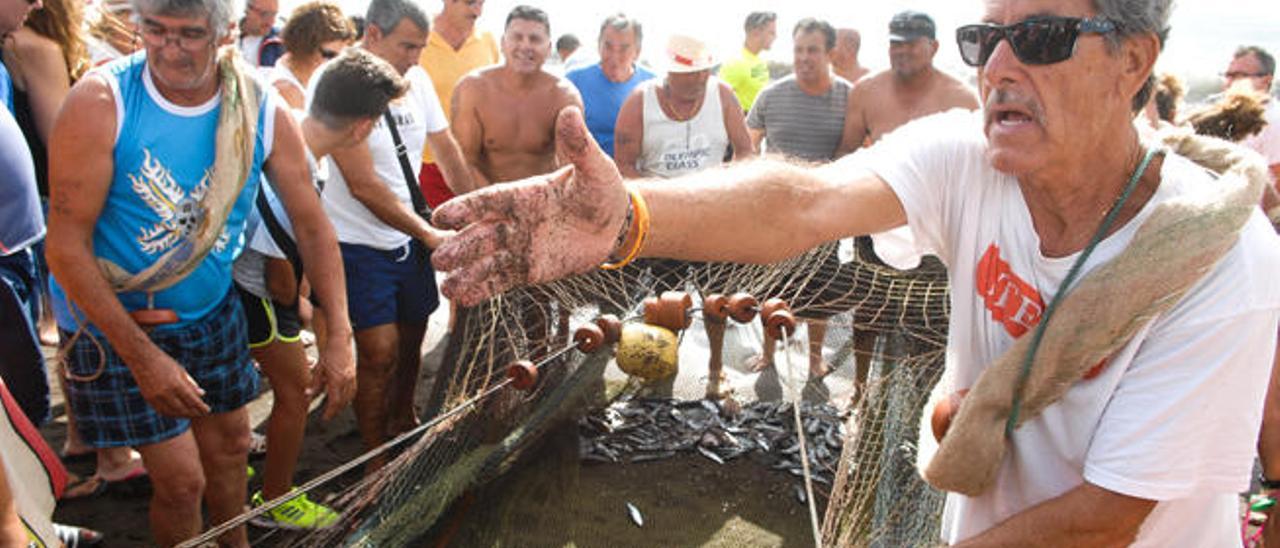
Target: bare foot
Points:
(713, 386)
(759, 363)
(120, 464)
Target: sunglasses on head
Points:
(1035, 41)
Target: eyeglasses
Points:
(1035, 41)
(188, 38)
(328, 53)
(1236, 75)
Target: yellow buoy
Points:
(647, 351)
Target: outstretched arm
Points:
(286, 168)
(544, 228)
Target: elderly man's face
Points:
(847, 45)
(1036, 116)
(1247, 68)
(688, 86)
(618, 52)
(180, 50)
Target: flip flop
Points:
(136, 483)
(74, 537)
(84, 487)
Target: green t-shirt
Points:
(747, 75)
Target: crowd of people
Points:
(218, 187)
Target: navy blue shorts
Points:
(389, 285)
(110, 410)
(22, 366)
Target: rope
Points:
(804, 449)
(322, 479)
(1065, 287)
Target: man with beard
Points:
(1133, 424)
(499, 145)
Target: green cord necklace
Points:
(1072, 274)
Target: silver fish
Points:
(710, 455)
(634, 512)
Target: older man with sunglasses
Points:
(154, 163)
(1131, 418)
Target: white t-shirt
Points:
(417, 114)
(249, 49)
(1174, 417)
(1267, 141)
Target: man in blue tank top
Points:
(150, 170)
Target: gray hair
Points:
(221, 12)
(386, 14)
(620, 22)
(1265, 60)
(1133, 17)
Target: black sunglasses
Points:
(1035, 41)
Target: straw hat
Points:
(688, 54)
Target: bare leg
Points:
(401, 416)
(715, 366)
(864, 346)
(765, 359)
(178, 483)
(817, 334)
(224, 454)
(285, 364)
(376, 349)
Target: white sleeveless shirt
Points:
(671, 148)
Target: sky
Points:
(1204, 32)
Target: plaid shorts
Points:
(110, 410)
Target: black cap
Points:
(910, 25)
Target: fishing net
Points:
(525, 468)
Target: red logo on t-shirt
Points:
(1012, 301)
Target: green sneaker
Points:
(298, 513)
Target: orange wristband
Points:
(640, 225)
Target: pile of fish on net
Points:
(639, 430)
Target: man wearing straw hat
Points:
(155, 162)
(1113, 303)
(682, 124)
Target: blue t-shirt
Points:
(21, 222)
(162, 160)
(6, 88)
(602, 99)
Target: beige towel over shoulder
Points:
(1181, 241)
(234, 142)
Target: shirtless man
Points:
(912, 87)
(844, 58)
(498, 146)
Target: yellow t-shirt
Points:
(447, 66)
(747, 75)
